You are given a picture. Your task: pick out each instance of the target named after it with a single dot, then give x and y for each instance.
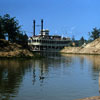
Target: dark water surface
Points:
(62, 77)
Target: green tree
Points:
(95, 33)
(81, 41)
(10, 26)
(22, 39)
(1, 29)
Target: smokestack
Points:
(41, 26)
(33, 27)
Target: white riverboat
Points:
(46, 42)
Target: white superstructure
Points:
(46, 42)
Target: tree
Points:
(2, 36)
(95, 33)
(22, 39)
(10, 26)
(81, 41)
(1, 29)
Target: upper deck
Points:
(48, 40)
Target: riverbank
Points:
(92, 48)
(13, 50)
(91, 98)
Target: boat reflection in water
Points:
(56, 77)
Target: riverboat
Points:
(46, 42)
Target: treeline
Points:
(94, 34)
(78, 43)
(10, 28)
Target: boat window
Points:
(34, 40)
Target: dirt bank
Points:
(91, 98)
(8, 49)
(91, 48)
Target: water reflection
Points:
(12, 73)
(61, 73)
(11, 76)
(93, 63)
(93, 59)
(46, 65)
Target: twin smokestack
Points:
(34, 27)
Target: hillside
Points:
(8, 49)
(91, 48)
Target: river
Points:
(56, 77)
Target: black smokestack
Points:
(41, 26)
(33, 27)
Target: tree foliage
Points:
(95, 33)
(81, 41)
(1, 29)
(10, 26)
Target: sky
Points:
(67, 18)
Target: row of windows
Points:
(51, 42)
